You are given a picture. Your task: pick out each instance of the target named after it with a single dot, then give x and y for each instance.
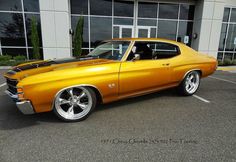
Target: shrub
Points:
(227, 62)
(78, 37)
(5, 58)
(234, 62)
(220, 63)
(19, 58)
(35, 38)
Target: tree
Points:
(78, 37)
(35, 38)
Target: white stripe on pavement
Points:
(200, 98)
(229, 81)
(1, 85)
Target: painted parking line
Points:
(1, 85)
(200, 98)
(229, 81)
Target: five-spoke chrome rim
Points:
(192, 82)
(73, 103)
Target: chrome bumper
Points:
(24, 106)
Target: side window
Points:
(162, 50)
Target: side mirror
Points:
(136, 57)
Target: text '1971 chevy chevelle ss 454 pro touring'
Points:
(116, 69)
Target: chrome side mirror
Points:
(136, 57)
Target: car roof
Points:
(149, 39)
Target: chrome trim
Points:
(25, 107)
(13, 96)
(80, 85)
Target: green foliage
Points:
(226, 62)
(78, 37)
(19, 58)
(5, 58)
(35, 38)
(234, 62)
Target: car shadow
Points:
(12, 118)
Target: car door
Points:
(143, 75)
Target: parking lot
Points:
(157, 127)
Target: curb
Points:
(5, 67)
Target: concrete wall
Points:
(55, 25)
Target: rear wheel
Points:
(75, 103)
(190, 83)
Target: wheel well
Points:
(200, 72)
(98, 94)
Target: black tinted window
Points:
(164, 50)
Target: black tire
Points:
(182, 88)
(93, 105)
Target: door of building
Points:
(123, 31)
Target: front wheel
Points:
(190, 83)
(75, 104)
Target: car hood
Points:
(33, 68)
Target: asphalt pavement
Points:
(158, 127)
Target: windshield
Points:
(113, 50)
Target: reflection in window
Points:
(226, 15)
(167, 29)
(123, 21)
(168, 11)
(148, 10)
(231, 36)
(222, 37)
(185, 29)
(14, 51)
(105, 9)
(31, 5)
(10, 5)
(28, 18)
(233, 15)
(30, 50)
(186, 12)
(74, 21)
(123, 8)
(12, 29)
(146, 22)
(101, 29)
(79, 7)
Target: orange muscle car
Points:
(116, 69)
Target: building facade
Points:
(208, 26)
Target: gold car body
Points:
(111, 80)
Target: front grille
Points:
(12, 85)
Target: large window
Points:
(127, 18)
(15, 26)
(227, 45)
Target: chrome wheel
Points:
(192, 82)
(73, 103)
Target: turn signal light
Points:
(20, 93)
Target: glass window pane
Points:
(185, 29)
(233, 15)
(101, 29)
(167, 29)
(106, 8)
(116, 30)
(12, 29)
(226, 15)
(222, 37)
(231, 37)
(148, 10)
(123, 21)
(153, 33)
(30, 51)
(28, 18)
(126, 32)
(228, 56)
(145, 22)
(79, 7)
(123, 8)
(14, 51)
(186, 12)
(220, 56)
(31, 5)
(10, 5)
(74, 21)
(168, 11)
(143, 33)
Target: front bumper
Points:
(24, 106)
